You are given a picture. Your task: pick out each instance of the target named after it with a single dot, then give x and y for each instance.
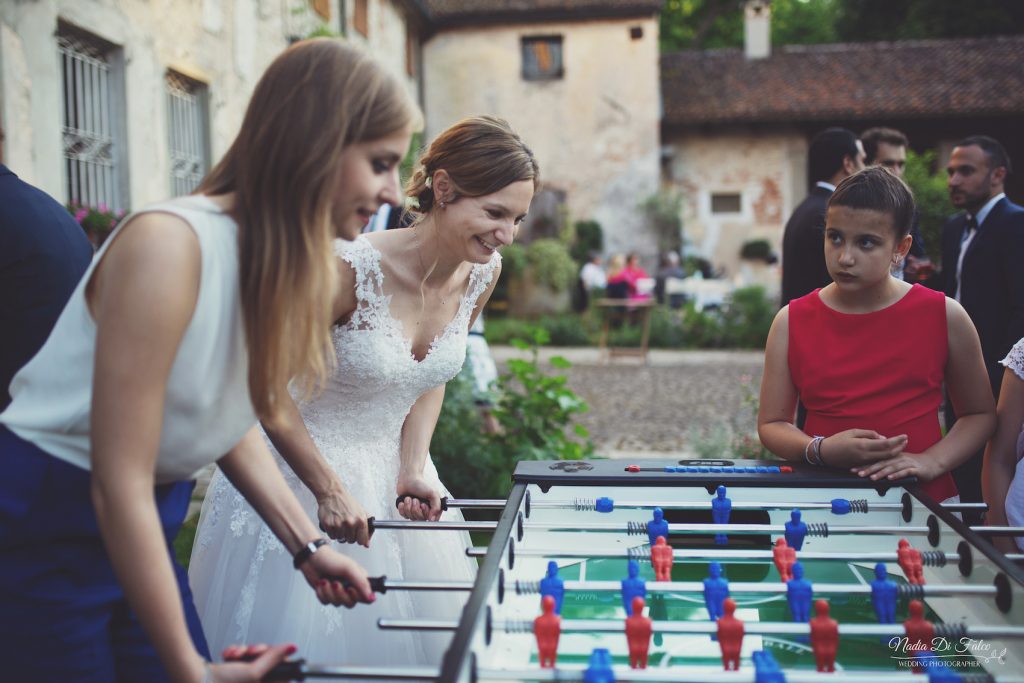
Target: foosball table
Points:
(724, 571)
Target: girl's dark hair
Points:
(876, 188)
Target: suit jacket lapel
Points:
(985, 229)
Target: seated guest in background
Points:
(634, 272)
(591, 277)
(669, 268)
(618, 286)
(888, 148)
(1002, 475)
(43, 251)
(862, 414)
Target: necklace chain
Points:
(423, 267)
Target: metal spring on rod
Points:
(518, 626)
(636, 528)
(818, 529)
(910, 591)
(527, 587)
(584, 504)
(640, 552)
(860, 505)
(933, 558)
(953, 632)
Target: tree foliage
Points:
(707, 24)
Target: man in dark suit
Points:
(43, 254)
(888, 147)
(983, 265)
(833, 155)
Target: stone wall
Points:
(595, 130)
(766, 169)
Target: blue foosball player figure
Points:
(799, 593)
(883, 595)
(657, 527)
(599, 669)
(795, 531)
(766, 669)
(633, 587)
(721, 508)
(553, 585)
(716, 590)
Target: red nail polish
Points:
(291, 649)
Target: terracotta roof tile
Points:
(446, 13)
(906, 79)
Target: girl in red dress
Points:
(867, 355)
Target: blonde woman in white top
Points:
(188, 327)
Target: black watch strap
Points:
(307, 551)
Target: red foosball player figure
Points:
(909, 559)
(730, 636)
(547, 628)
(920, 631)
(661, 558)
(638, 635)
(784, 558)
(824, 637)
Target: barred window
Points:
(542, 58)
(93, 134)
(188, 132)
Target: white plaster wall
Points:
(767, 170)
(226, 44)
(386, 39)
(595, 131)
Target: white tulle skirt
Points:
(246, 590)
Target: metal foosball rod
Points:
(639, 528)
(757, 628)
(300, 671)
(911, 590)
(736, 556)
(606, 505)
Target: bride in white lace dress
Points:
(405, 304)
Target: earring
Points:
(442, 203)
(896, 259)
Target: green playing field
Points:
(791, 652)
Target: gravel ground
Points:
(664, 408)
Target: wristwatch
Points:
(307, 551)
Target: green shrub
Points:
(589, 238)
(747, 318)
(932, 198)
(756, 250)
(513, 260)
(504, 330)
(566, 330)
(536, 412)
(550, 264)
(701, 329)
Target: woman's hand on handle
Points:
(249, 663)
(337, 580)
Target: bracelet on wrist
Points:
(812, 451)
(818, 440)
(307, 551)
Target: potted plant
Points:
(97, 222)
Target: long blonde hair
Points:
(316, 98)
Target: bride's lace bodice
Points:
(377, 378)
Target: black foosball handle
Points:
(378, 584)
(444, 501)
(287, 671)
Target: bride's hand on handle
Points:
(249, 663)
(342, 517)
(336, 579)
(409, 489)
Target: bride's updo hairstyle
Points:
(316, 98)
(481, 154)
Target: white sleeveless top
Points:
(207, 408)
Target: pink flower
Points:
(102, 208)
(81, 214)
(113, 222)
